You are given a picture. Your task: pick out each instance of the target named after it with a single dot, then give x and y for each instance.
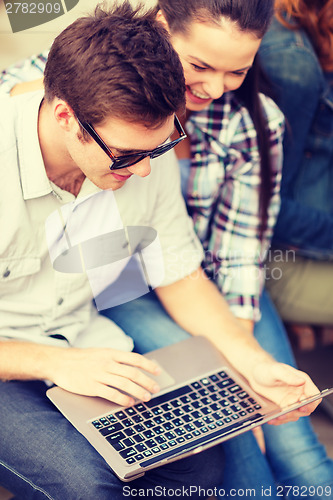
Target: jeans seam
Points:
(34, 486)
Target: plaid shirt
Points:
(27, 70)
(223, 189)
(223, 197)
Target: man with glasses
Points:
(72, 166)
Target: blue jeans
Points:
(294, 457)
(43, 456)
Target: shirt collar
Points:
(35, 182)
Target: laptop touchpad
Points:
(164, 379)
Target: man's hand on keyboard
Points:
(106, 373)
(284, 385)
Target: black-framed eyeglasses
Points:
(124, 161)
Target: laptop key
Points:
(149, 424)
(138, 438)
(170, 435)
(131, 460)
(116, 437)
(168, 426)
(140, 447)
(140, 407)
(129, 431)
(205, 381)
(157, 411)
(167, 407)
(199, 423)
(120, 415)
(189, 427)
(225, 383)
(177, 422)
(196, 385)
(149, 434)
(178, 412)
(150, 443)
(129, 452)
(242, 394)
(104, 421)
(165, 398)
(139, 428)
(97, 424)
(127, 422)
(130, 411)
(233, 399)
(234, 388)
(159, 420)
(185, 399)
(137, 419)
(188, 418)
(111, 429)
(128, 442)
(112, 419)
(176, 403)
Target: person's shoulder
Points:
(13, 110)
(291, 48)
(7, 122)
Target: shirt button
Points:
(60, 301)
(6, 273)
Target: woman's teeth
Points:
(197, 94)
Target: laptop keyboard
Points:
(182, 418)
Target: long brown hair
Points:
(316, 18)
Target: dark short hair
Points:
(116, 63)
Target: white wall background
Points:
(17, 46)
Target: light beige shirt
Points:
(38, 303)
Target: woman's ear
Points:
(161, 18)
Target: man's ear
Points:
(161, 18)
(64, 115)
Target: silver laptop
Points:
(202, 402)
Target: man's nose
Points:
(142, 168)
